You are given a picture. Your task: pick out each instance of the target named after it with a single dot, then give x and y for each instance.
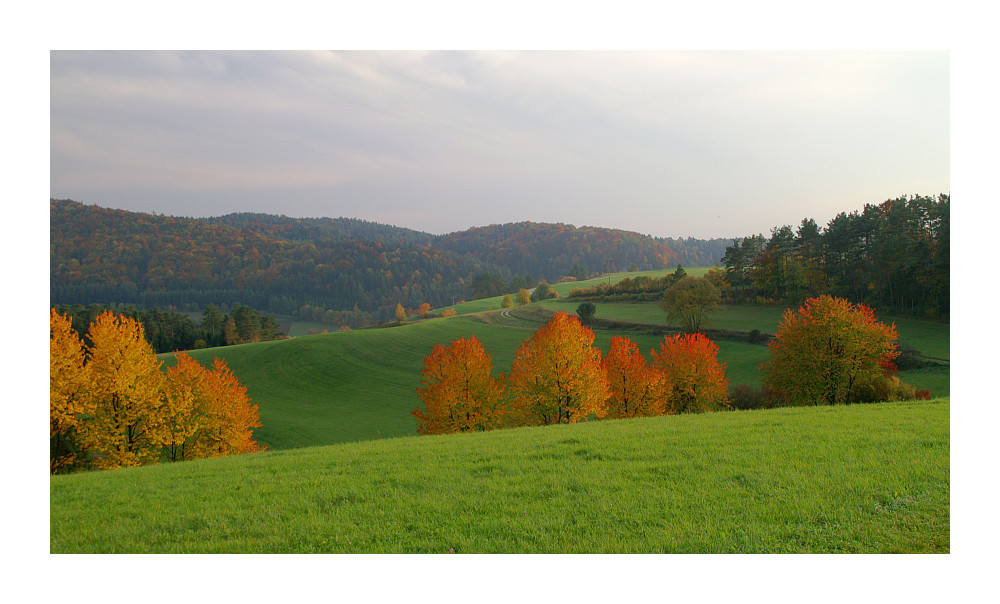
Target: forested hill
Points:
(279, 264)
(320, 230)
(550, 251)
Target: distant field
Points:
(849, 479)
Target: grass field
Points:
(361, 385)
(860, 478)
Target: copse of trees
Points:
(559, 376)
(894, 255)
(828, 352)
(112, 406)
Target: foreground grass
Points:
(862, 478)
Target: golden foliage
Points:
(557, 375)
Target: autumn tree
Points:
(828, 351)
(423, 310)
(689, 300)
(523, 297)
(448, 312)
(459, 392)
(67, 383)
(636, 388)
(557, 375)
(125, 425)
(227, 416)
(183, 393)
(693, 378)
(400, 313)
(507, 302)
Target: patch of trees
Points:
(488, 285)
(894, 255)
(168, 331)
(828, 352)
(559, 376)
(642, 288)
(697, 252)
(111, 405)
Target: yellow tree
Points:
(523, 297)
(459, 392)
(125, 426)
(693, 378)
(400, 313)
(507, 302)
(183, 397)
(636, 388)
(557, 375)
(67, 380)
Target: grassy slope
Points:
(360, 385)
(862, 478)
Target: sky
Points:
(667, 143)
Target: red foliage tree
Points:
(636, 388)
(459, 392)
(693, 378)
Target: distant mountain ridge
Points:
(277, 263)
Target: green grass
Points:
(361, 385)
(341, 387)
(861, 478)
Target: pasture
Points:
(361, 385)
(850, 479)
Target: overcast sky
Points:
(703, 144)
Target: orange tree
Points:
(693, 378)
(459, 392)
(636, 388)
(557, 375)
(228, 417)
(829, 351)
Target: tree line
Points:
(829, 351)
(111, 405)
(894, 255)
(169, 331)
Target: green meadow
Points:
(850, 479)
(361, 385)
(345, 472)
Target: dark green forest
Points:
(894, 256)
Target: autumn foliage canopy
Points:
(559, 376)
(459, 391)
(112, 406)
(829, 351)
(693, 378)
